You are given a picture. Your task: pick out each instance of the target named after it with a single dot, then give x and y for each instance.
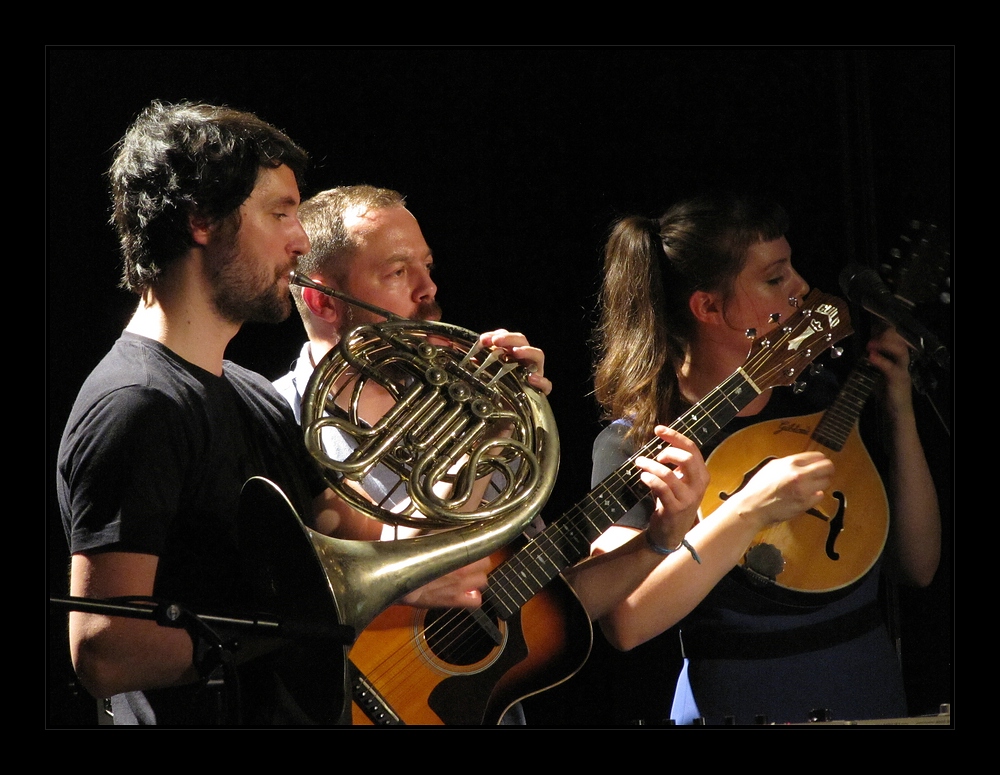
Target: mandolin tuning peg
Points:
(798, 387)
(774, 317)
(836, 352)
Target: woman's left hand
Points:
(678, 479)
(890, 354)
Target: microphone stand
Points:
(214, 656)
(926, 383)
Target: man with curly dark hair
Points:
(165, 432)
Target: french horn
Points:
(456, 416)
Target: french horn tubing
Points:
(455, 413)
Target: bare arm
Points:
(677, 478)
(113, 654)
(781, 490)
(333, 516)
(915, 537)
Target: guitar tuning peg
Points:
(945, 297)
(774, 317)
(751, 333)
(798, 387)
(836, 352)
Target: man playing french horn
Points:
(366, 244)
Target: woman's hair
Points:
(651, 268)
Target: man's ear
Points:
(322, 306)
(201, 229)
(706, 307)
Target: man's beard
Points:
(243, 292)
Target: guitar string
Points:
(719, 396)
(451, 628)
(563, 526)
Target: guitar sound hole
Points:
(456, 637)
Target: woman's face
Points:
(763, 288)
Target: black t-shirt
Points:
(153, 459)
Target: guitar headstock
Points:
(919, 269)
(919, 273)
(778, 357)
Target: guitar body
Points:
(426, 677)
(532, 632)
(831, 546)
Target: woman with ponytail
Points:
(679, 295)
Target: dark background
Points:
(516, 161)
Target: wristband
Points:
(664, 551)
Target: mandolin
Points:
(835, 543)
(456, 666)
(831, 546)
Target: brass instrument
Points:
(457, 414)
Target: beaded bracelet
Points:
(664, 551)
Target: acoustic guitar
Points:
(456, 666)
(833, 545)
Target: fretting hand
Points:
(677, 478)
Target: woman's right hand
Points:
(784, 488)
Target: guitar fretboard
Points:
(776, 359)
(568, 539)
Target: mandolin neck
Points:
(838, 421)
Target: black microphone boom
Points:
(863, 286)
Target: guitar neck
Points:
(838, 421)
(567, 540)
